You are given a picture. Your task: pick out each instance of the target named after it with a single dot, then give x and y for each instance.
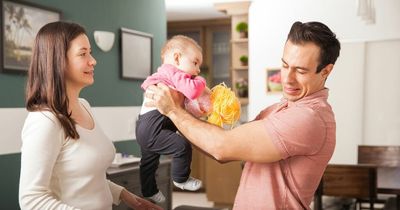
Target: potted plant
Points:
(242, 88)
(242, 28)
(244, 60)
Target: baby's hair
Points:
(180, 43)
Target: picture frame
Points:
(20, 22)
(273, 80)
(136, 54)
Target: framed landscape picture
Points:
(273, 80)
(20, 22)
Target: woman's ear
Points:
(177, 56)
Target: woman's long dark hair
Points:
(46, 89)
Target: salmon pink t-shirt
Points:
(304, 132)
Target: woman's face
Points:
(80, 63)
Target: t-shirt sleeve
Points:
(115, 192)
(189, 86)
(296, 131)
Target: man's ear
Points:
(177, 56)
(326, 71)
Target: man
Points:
(289, 144)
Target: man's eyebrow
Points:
(283, 61)
(297, 67)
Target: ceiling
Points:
(181, 10)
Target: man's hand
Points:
(137, 202)
(164, 98)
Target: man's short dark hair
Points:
(319, 34)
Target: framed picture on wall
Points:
(20, 22)
(136, 50)
(273, 80)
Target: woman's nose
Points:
(93, 61)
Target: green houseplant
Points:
(242, 28)
(244, 60)
(242, 88)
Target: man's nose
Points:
(290, 76)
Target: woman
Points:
(64, 153)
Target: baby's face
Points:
(190, 61)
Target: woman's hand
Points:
(164, 98)
(136, 202)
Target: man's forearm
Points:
(206, 136)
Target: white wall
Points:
(351, 94)
(382, 88)
(118, 123)
(346, 96)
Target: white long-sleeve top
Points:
(67, 174)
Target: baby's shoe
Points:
(157, 198)
(191, 184)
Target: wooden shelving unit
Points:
(240, 40)
(244, 68)
(239, 45)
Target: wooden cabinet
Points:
(128, 177)
(222, 182)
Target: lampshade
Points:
(104, 39)
(366, 11)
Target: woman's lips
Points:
(91, 72)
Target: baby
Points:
(156, 134)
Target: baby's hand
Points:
(205, 101)
(200, 107)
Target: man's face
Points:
(298, 73)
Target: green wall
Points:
(10, 165)
(109, 90)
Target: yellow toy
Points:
(225, 106)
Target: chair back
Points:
(349, 181)
(383, 156)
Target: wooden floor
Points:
(190, 198)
